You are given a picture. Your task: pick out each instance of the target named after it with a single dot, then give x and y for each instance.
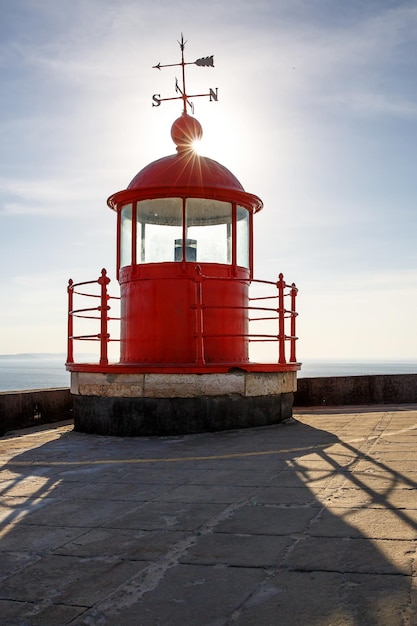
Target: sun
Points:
(196, 146)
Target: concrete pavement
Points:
(312, 522)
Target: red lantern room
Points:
(185, 268)
(180, 216)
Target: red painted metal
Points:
(88, 313)
(185, 130)
(185, 169)
(293, 315)
(186, 315)
(160, 313)
(70, 334)
(210, 340)
(185, 174)
(248, 200)
(103, 281)
(207, 368)
(200, 354)
(151, 332)
(281, 319)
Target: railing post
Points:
(199, 317)
(70, 344)
(281, 319)
(103, 281)
(293, 358)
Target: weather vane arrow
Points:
(207, 61)
(203, 62)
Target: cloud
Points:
(385, 284)
(371, 103)
(66, 197)
(305, 90)
(353, 64)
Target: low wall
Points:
(21, 409)
(347, 390)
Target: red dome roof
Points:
(185, 169)
(185, 173)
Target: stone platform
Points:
(310, 522)
(140, 404)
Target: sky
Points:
(317, 115)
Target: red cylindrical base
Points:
(161, 307)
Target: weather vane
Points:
(203, 62)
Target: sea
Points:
(33, 371)
(45, 371)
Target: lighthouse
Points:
(185, 266)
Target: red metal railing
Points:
(284, 317)
(281, 314)
(285, 293)
(88, 313)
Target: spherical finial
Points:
(185, 131)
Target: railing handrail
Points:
(281, 314)
(95, 295)
(284, 290)
(103, 336)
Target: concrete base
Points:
(177, 404)
(131, 417)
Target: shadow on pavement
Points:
(284, 525)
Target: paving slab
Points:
(185, 516)
(224, 494)
(38, 614)
(144, 545)
(402, 497)
(188, 594)
(375, 523)
(269, 519)
(312, 522)
(238, 550)
(322, 598)
(347, 554)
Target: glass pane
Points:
(204, 212)
(166, 211)
(209, 230)
(126, 236)
(242, 235)
(159, 227)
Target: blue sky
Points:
(317, 114)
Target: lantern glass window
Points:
(159, 225)
(209, 230)
(242, 236)
(126, 236)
